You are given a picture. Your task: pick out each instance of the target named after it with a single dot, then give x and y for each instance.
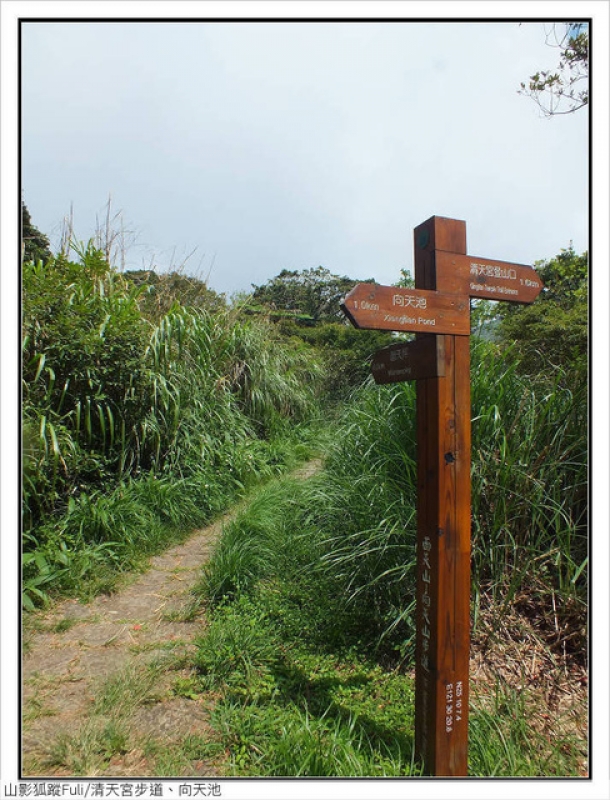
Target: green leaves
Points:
(565, 90)
(35, 245)
(117, 409)
(314, 293)
(553, 331)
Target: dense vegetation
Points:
(150, 403)
(553, 332)
(312, 635)
(138, 422)
(305, 305)
(311, 591)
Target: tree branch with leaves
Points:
(566, 89)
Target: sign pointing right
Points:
(486, 278)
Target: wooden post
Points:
(438, 312)
(443, 532)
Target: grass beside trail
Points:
(308, 685)
(298, 693)
(103, 536)
(140, 426)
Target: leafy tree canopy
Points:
(406, 280)
(312, 292)
(557, 324)
(35, 245)
(165, 289)
(82, 330)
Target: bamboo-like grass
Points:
(120, 414)
(530, 479)
(529, 512)
(311, 581)
(529, 486)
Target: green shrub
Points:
(179, 416)
(275, 381)
(345, 351)
(357, 521)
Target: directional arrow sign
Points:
(417, 310)
(486, 277)
(408, 361)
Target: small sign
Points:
(389, 308)
(408, 361)
(486, 278)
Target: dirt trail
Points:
(77, 720)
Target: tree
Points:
(34, 244)
(555, 328)
(406, 281)
(163, 290)
(311, 292)
(306, 305)
(567, 89)
(83, 333)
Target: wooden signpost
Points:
(407, 361)
(486, 278)
(438, 312)
(388, 308)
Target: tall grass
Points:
(530, 477)
(529, 489)
(315, 583)
(274, 379)
(172, 418)
(529, 481)
(295, 698)
(310, 592)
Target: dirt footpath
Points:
(69, 662)
(99, 679)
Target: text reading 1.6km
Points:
(486, 278)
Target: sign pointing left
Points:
(423, 357)
(390, 308)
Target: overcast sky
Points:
(265, 146)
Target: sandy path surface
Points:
(140, 635)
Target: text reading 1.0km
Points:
(416, 310)
(487, 278)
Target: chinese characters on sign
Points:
(438, 312)
(486, 278)
(406, 361)
(375, 307)
(407, 300)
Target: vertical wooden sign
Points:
(445, 279)
(443, 532)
